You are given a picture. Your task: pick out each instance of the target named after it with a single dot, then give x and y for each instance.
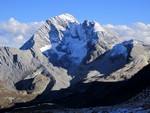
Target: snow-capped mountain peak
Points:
(62, 21)
(66, 17)
(98, 27)
(64, 39)
(122, 49)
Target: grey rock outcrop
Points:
(25, 74)
(119, 63)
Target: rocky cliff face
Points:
(24, 75)
(67, 43)
(64, 53)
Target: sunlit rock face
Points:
(67, 43)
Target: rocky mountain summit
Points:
(65, 62)
(67, 43)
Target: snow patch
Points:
(54, 49)
(45, 48)
(77, 49)
(98, 27)
(67, 17)
(119, 49)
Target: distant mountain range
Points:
(73, 65)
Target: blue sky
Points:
(19, 19)
(104, 11)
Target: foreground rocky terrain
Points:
(67, 64)
(110, 99)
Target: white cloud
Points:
(14, 33)
(19, 39)
(3, 41)
(138, 31)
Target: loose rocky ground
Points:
(138, 104)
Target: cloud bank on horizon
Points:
(138, 31)
(14, 33)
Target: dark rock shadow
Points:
(104, 93)
(104, 64)
(95, 93)
(24, 84)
